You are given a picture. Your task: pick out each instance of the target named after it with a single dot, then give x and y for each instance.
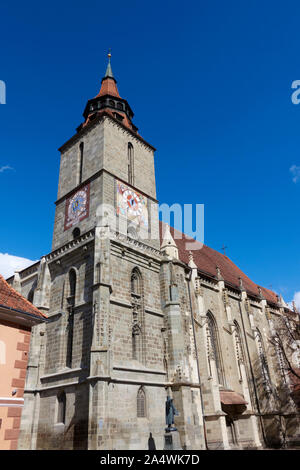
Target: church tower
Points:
(98, 368)
(106, 171)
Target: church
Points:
(135, 317)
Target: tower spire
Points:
(109, 101)
(109, 83)
(108, 73)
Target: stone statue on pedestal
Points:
(170, 413)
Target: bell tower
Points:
(115, 343)
(101, 288)
(106, 169)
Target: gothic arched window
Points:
(72, 287)
(61, 408)
(137, 331)
(71, 303)
(136, 282)
(141, 403)
(81, 146)
(130, 164)
(214, 353)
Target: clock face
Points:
(77, 207)
(132, 202)
(132, 205)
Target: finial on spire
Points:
(108, 73)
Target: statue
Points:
(170, 413)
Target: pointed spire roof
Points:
(108, 73)
(109, 83)
(108, 101)
(168, 245)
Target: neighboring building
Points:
(134, 315)
(17, 317)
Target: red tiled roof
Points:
(108, 87)
(11, 299)
(207, 260)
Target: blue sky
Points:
(210, 85)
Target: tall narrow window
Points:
(70, 327)
(141, 403)
(214, 354)
(136, 282)
(61, 409)
(130, 164)
(138, 352)
(72, 282)
(81, 146)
